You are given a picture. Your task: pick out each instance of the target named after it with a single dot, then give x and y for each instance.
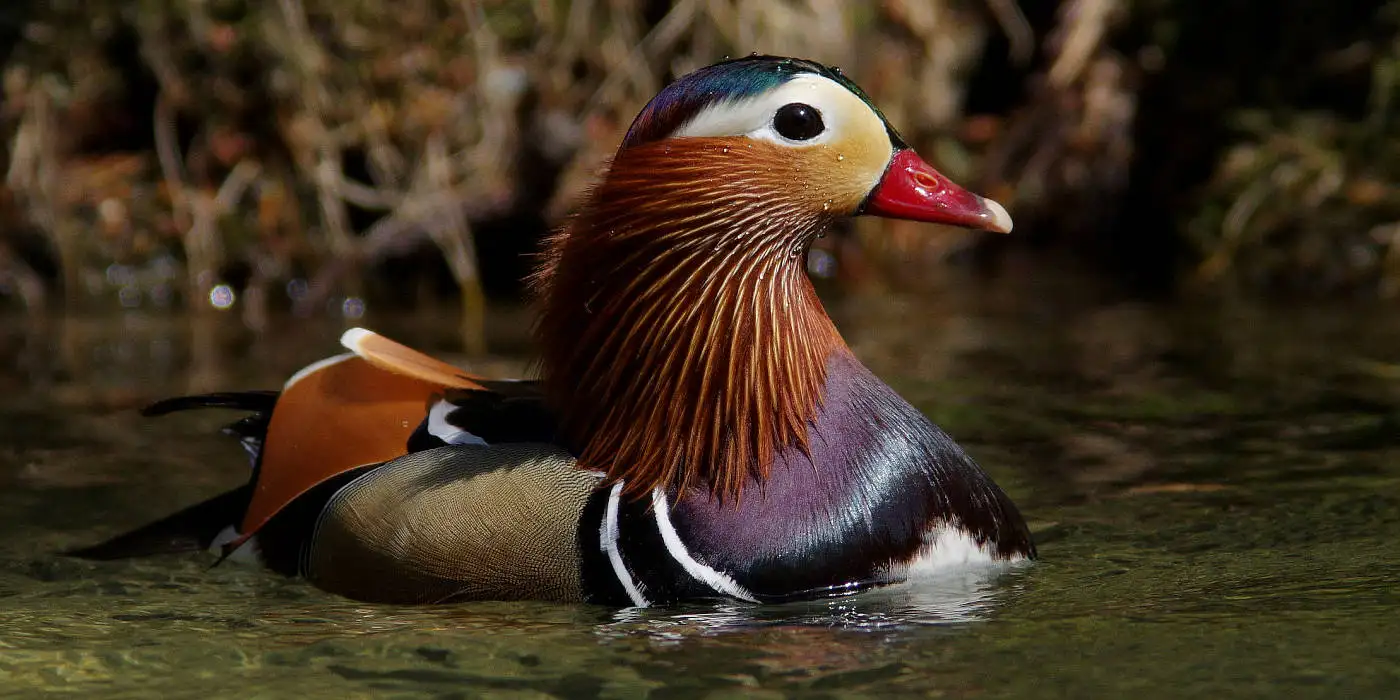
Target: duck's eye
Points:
(798, 122)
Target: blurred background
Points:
(327, 157)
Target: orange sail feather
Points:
(343, 413)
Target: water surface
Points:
(1215, 491)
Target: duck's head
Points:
(682, 342)
(819, 134)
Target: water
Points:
(1215, 490)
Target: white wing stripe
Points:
(439, 428)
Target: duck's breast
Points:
(882, 493)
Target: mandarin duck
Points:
(699, 429)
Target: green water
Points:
(1215, 492)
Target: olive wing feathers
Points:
(462, 522)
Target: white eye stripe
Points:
(753, 117)
(854, 132)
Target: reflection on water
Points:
(1214, 490)
(960, 596)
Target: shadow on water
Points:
(1215, 490)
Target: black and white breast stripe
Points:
(647, 558)
(634, 557)
(609, 543)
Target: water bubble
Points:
(297, 289)
(352, 307)
(724, 150)
(222, 297)
(129, 297)
(826, 206)
(840, 157)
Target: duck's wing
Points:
(461, 522)
(358, 409)
(335, 416)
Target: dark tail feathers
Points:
(195, 527)
(190, 530)
(256, 401)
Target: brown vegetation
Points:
(163, 151)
